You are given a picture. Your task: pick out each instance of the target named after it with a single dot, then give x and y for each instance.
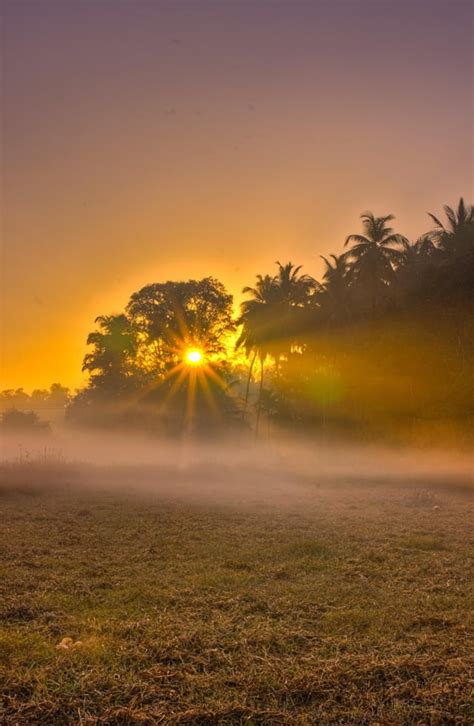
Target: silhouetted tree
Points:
(58, 396)
(456, 238)
(258, 327)
(454, 243)
(417, 268)
(373, 257)
(14, 421)
(14, 398)
(270, 318)
(110, 364)
(172, 316)
(293, 289)
(247, 341)
(334, 294)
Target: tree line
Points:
(301, 350)
(19, 410)
(378, 278)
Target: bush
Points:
(23, 421)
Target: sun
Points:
(194, 357)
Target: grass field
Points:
(337, 602)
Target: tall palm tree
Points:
(374, 256)
(421, 250)
(417, 266)
(334, 292)
(261, 315)
(256, 325)
(270, 317)
(297, 295)
(265, 291)
(294, 289)
(247, 340)
(456, 238)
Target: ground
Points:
(347, 603)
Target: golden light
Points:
(194, 357)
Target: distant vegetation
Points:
(32, 413)
(382, 342)
(13, 420)
(54, 398)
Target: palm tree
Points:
(421, 250)
(454, 243)
(256, 323)
(260, 389)
(334, 292)
(417, 266)
(265, 291)
(269, 318)
(373, 257)
(114, 347)
(456, 238)
(247, 341)
(261, 315)
(297, 296)
(294, 289)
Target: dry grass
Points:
(345, 605)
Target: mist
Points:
(276, 471)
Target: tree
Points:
(257, 321)
(454, 246)
(58, 396)
(14, 398)
(271, 317)
(373, 257)
(335, 290)
(173, 316)
(111, 362)
(14, 421)
(456, 238)
(417, 267)
(247, 341)
(39, 398)
(258, 315)
(294, 289)
(265, 291)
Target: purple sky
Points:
(150, 140)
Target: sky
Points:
(150, 140)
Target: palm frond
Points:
(436, 220)
(359, 238)
(398, 239)
(451, 215)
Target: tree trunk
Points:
(259, 403)
(247, 390)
